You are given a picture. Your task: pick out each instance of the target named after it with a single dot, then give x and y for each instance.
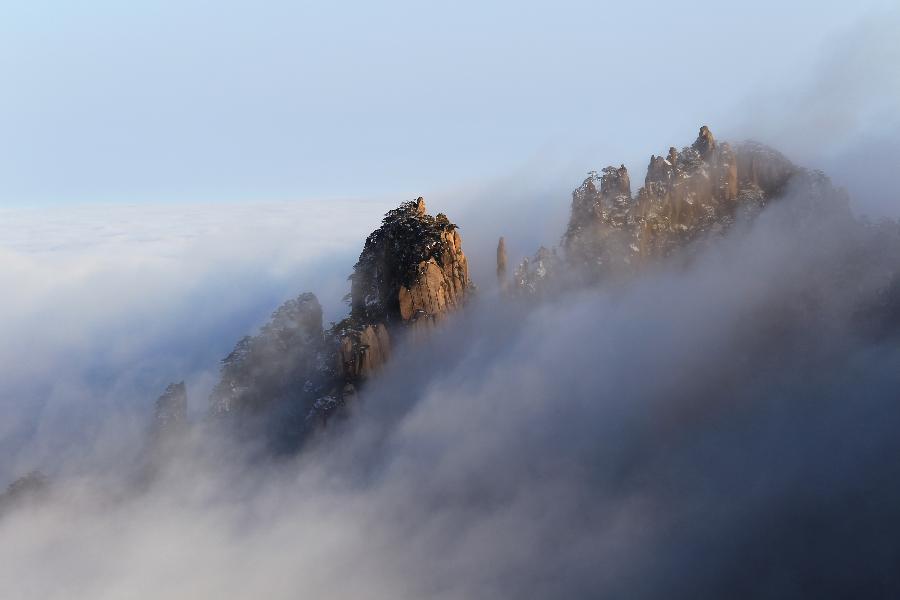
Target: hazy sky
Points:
(234, 100)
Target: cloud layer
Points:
(722, 426)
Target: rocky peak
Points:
(597, 216)
(705, 143)
(284, 360)
(412, 272)
(294, 374)
(412, 267)
(673, 155)
(697, 190)
(660, 170)
(615, 182)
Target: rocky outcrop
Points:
(411, 268)
(684, 194)
(597, 235)
(411, 273)
(705, 143)
(688, 194)
(287, 362)
(699, 190)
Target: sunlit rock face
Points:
(411, 273)
(701, 189)
(411, 268)
(688, 195)
(684, 194)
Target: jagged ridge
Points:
(698, 191)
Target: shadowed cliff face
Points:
(276, 363)
(271, 381)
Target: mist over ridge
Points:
(460, 301)
(713, 418)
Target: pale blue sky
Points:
(228, 100)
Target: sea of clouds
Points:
(721, 427)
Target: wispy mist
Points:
(841, 114)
